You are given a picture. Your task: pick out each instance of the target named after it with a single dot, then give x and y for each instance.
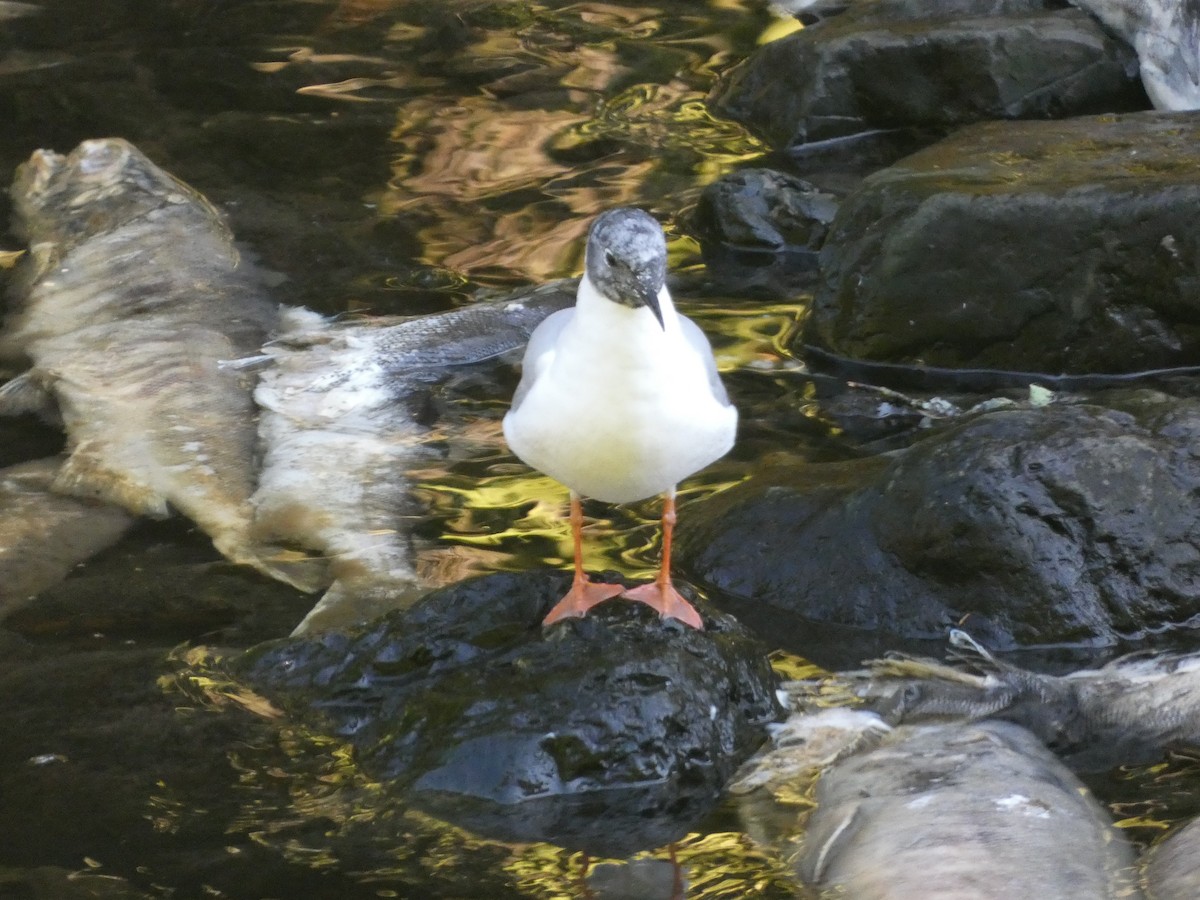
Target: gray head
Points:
(627, 258)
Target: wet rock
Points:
(929, 64)
(760, 228)
(611, 733)
(1062, 524)
(958, 810)
(765, 210)
(1065, 246)
(1172, 869)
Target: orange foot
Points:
(583, 596)
(667, 601)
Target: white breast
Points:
(619, 408)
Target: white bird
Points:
(620, 398)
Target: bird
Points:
(620, 399)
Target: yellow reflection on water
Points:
(574, 109)
(780, 27)
(1154, 797)
(750, 337)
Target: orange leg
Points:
(584, 594)
(661, 594)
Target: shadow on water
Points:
(384, 156)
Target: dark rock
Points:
(612, 732)
(1073, 248)
(760, 228)
(1068, 525)
(765, 210)
(929, 64)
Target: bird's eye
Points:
(609, 258)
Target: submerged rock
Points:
(1065, 246)
(1065, 524)
(612, 733)
(934, 64)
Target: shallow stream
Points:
(384, 157)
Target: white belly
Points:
(621, 422)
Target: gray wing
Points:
(699, 342)
(540, 352)
(472, 334)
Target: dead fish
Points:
(1172, 869)
(948, 811)
(339, 436)
(1165, 34)
(43, 535)
(12, 9)
(130, 295)
(1125, 712)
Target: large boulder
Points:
(1067, 524)
(612, 733)
(1038, 246)
(929, 64)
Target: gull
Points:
(620, 399)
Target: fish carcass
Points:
(128, 299)
(962, 810)
(339, 436)
(1165, 34)
(1172, 870)
(1126, 712)
(43, 535)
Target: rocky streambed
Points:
(984, 416)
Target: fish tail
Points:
(28, 393)
(303, 572)
(85, 474)
(351, 601)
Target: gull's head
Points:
(626, 258)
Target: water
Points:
(384, 156)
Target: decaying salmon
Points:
(43, 535)
(131, 294)
(339, 437)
